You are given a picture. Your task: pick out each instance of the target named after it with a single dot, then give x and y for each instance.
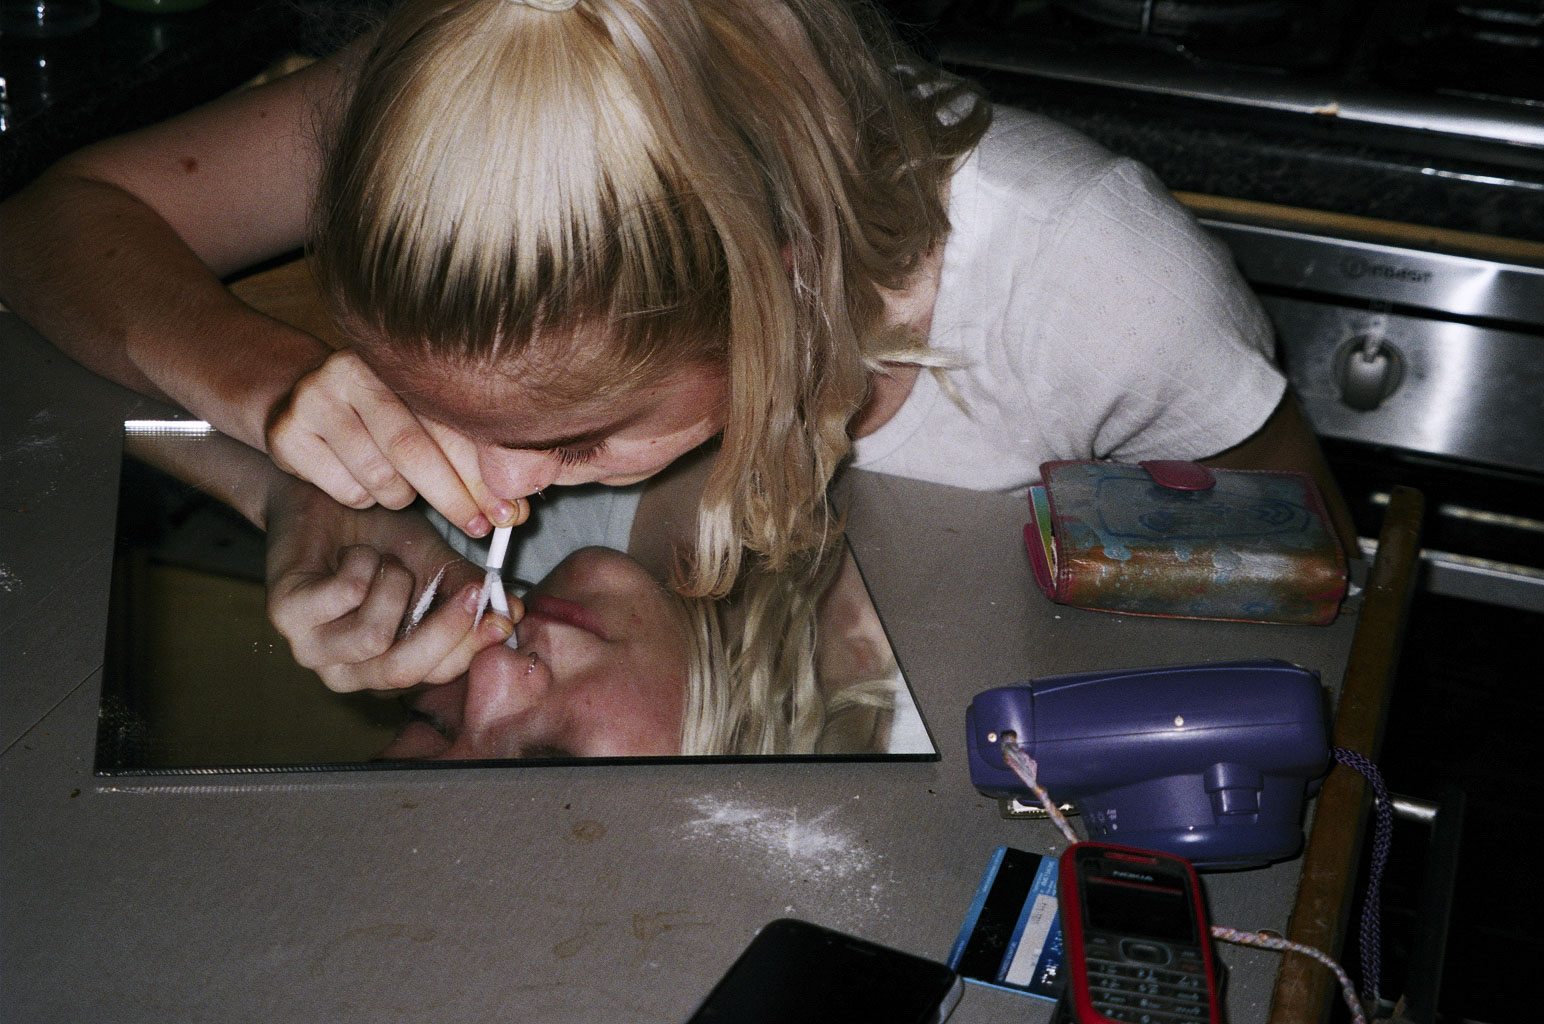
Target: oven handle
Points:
(1475, 579)
(1434, 913)
(1472, 578)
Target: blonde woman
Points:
(570, 241)
(606, 661)
(609, 660)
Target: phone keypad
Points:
(1126, 984)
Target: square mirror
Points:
(607, 663)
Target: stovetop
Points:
(1484, 50)
(1445, 68)
(1426, 111)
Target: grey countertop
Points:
(534, 894)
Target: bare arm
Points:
(231, 473)
(116, 253)
(1287, 442)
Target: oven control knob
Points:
(1368, 370)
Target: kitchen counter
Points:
(542, 894)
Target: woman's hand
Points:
(342, 583)
(345, 431)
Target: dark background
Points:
(132, 69)
(1467, 710)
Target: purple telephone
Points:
(1209, 762)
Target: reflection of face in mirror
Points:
(608, 661)
(598, 669)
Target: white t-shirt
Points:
(1093, 317)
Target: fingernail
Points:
(471, 597)
(479, 526)
(503, 513)
(497, 627)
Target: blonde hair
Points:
(753, 685)
(610, 193)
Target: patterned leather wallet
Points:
(1177, 539)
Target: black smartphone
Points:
(794, 972)
(1138, 945)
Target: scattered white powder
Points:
(41, 443)
(8, 580)
(810, 855)
(811, 844)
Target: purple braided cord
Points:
(1383, 834)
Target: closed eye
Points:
(568, 457)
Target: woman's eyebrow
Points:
(579, 439)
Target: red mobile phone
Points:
(1138, 946)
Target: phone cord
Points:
(1370, 938)
(1026, 769)
(1264, 941)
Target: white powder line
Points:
(422, 607)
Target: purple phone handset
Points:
(1211, 762)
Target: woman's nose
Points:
(502, 684)
(511, 473)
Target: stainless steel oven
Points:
(1424, 368)
(1377, 167)
(1419, 351)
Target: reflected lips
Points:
(569, 613)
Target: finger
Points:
(369, 630)
(477, 576)
(401, 460)
(493, 630)
(303, 600)
(339, 403)
(462, 455)
(355, 440)
(306, 455)
(437, 651)
(459, 575)
(438, 479)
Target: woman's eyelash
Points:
(578, 456)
